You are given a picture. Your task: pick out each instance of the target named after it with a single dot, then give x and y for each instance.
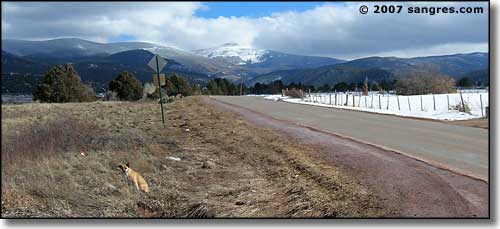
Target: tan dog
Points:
(134, 178)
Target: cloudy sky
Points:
(307, 28)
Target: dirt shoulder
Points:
(405, 186)
(479, 123)
(202, 163)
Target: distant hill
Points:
(15, 64)
(105, 69)
(377, 68)
(74, 50)
(325, 75)
(98, 70)
(205, 62)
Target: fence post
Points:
(397, 97)
(335, 97)
(409, 106)
(353, 100)
(379, 103)
(448, 100)
(372, 102)
(366, 104)
(434, 99)
(481, 99)
(330, 98)
(462, 98)
(421, 104)
(387, 102)
(359, 100)
(346, 98)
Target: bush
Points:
(213, 88)
(126, 86)
(421, 83)
(465, 82)
(294, 93)
(48, 139)
(62, 84)
(465, 108)
(220, 86)
(179, 86)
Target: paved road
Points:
(459, 148)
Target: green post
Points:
(159, 88)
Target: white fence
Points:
(475, 101)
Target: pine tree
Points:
(62, 84)
(126, 86)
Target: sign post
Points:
(157, 63)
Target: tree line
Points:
(62, 84)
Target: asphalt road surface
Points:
(457, 148)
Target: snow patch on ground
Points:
(439, 107)
(276, 97)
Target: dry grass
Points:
(227, 167)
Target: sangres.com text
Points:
(430, 10)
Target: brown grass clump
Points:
(48, 139)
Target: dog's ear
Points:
(120, 167)
(128, 164)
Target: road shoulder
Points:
(409, 187)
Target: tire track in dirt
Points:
(406, 187)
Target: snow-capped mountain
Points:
(234, 53)
(263, 61)
(74, 49)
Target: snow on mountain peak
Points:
(235, 53)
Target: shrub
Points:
(465, 82)
(213, 88)
(420, 83)
(179, 86)
(126, 86)
(48, 139)
(62, 84)
(294, 93)
(465, 108)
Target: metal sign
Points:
(162, 79)
(157, 64)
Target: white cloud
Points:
(328, 30)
